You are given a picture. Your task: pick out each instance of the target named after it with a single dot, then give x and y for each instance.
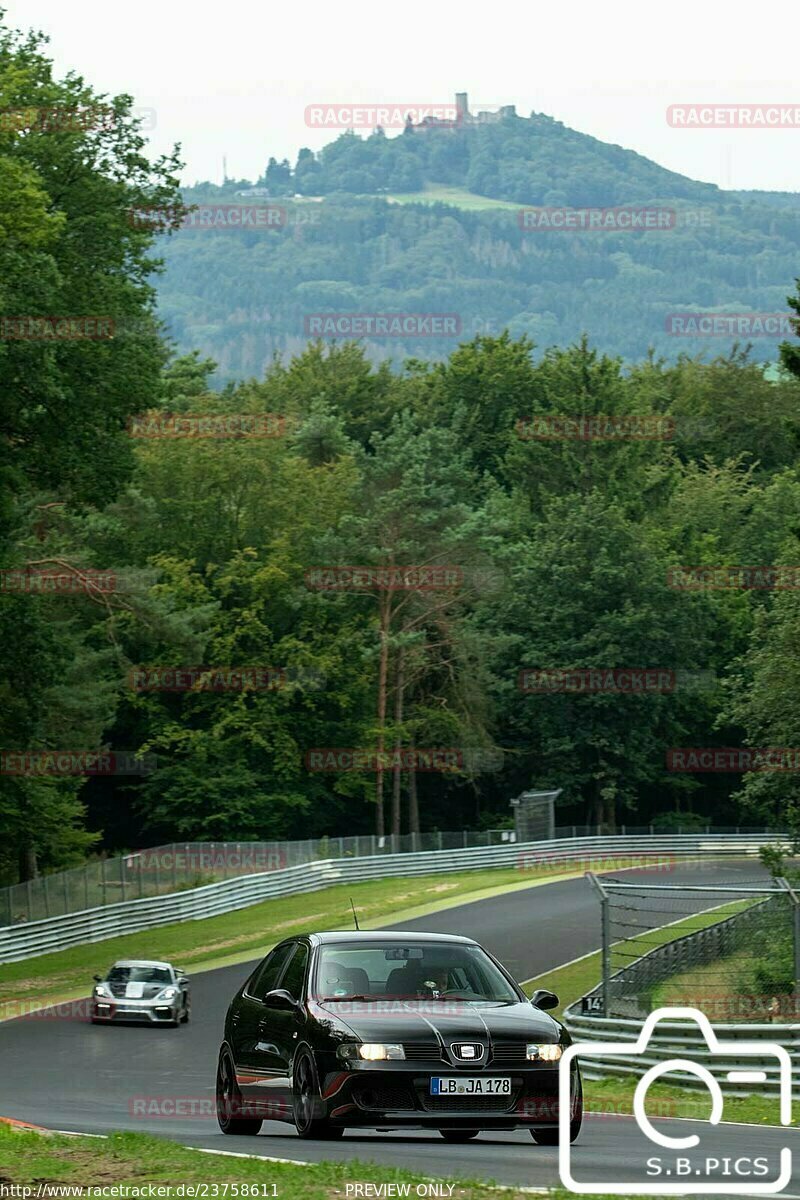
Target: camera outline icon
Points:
(730, 1048)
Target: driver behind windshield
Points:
(437, 980)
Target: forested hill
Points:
(430, 222)
(534, 160)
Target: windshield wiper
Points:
(350, 996)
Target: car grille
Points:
(430, 1050)
(509, 1053)
(477, 1104)
(383, 1097)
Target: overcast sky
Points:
(234, 77)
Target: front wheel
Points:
(307, 1103)
(229, 1101)
(459, 1135)
(549, 1137)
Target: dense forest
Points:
(512, 556)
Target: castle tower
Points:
(462, 108)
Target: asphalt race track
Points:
(70, 1075)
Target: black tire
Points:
(307, 1103)
(459, 1135)
(549, 1137)
(229, 1101)
(185, 1016)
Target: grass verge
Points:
(135, 1160)
(458, 197)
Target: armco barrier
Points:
(96, 924)
(684, 1039)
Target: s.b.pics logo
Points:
(683, 1161)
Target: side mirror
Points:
(183, 979)
(541, 998)
(97, 978)
(281, 1000)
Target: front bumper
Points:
(397, 1094)
(148, 1011)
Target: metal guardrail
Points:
(684, 1039)
(160, 870)
(33, 938)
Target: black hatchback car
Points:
(391, 1031)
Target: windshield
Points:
(139, 975)
(409, 972)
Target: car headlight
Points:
(371, 1051)
(100, 989)
(168, 993)
(543, 1051)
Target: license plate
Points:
(470, 1085)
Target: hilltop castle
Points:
(463, 117)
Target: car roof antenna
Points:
(355, 918)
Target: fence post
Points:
(29, 891)
(784, 883)
(86, 886)
(605, 928)
(103, 880)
